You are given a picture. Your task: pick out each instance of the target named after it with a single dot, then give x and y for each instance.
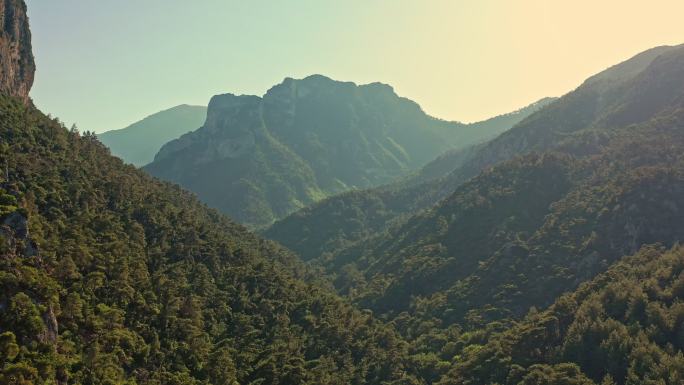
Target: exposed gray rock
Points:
(49, 335)
(19, 225)
(229, 131)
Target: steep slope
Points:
(630, 92)
(345, 219)
(520, 233)
(623, 327)
(137, 143)
(109, 276)
(330, 226)
(260, 159)
(239, 168)
(130, 265)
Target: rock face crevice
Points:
(17, 67)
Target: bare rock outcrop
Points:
(17, 67)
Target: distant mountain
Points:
(604, 175)
(137, 143)
(629, 92)
(485, 130)
(482, 132)
(259, 159)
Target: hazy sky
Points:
(105, 64)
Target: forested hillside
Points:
(549, 255)
(580, 124)
(624, 327)
(594, 176)
(523, 232)
(109, 276)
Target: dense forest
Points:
(110, 276)
(548, 255)
(623, 327)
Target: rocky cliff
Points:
(17, 67)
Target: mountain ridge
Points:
(502, 214)
(260, 158)
(138, 142)
(536, 133)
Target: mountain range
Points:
(551, 203)
(590, 178)
(580, 124)
(259, 159)
(137, 143)
(550, 254)
(110, 276)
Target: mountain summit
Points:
(261, 158)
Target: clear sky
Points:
(105, 64)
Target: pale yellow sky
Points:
(105, 65)
(490, 56)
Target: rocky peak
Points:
(232, 125)
(291, 89)
(17, 66)
(379, 88)
(225, 111)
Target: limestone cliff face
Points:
(235, 164)
(17, 66)
(229, 131)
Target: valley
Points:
(332, 233)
